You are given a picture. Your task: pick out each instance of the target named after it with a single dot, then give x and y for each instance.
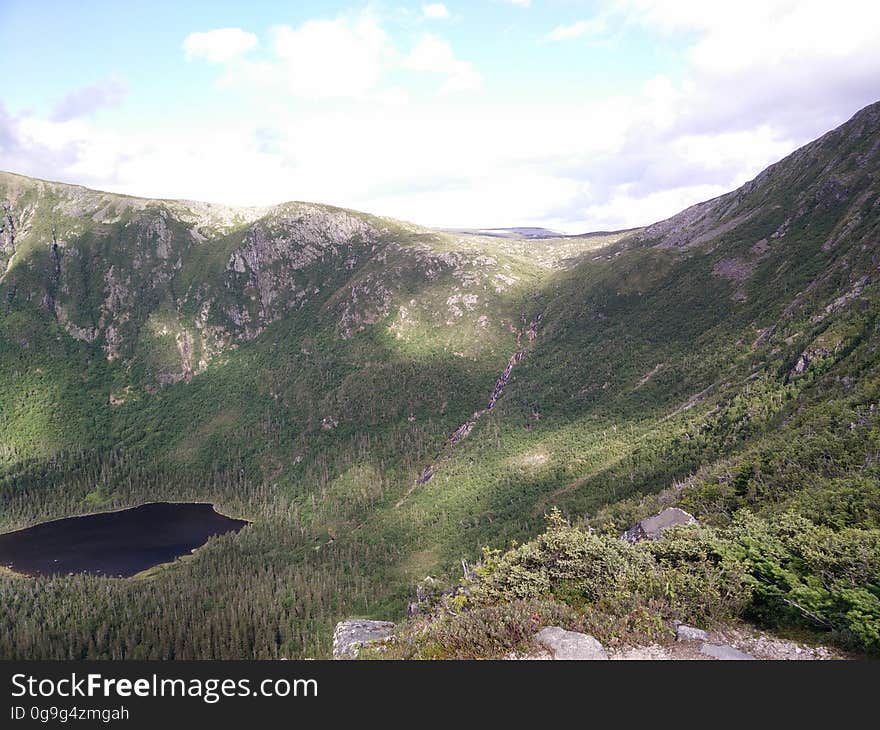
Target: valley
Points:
(307, 368)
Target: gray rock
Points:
(350, 636)
(807, 357)
(569, 645)
(689, 633)
(651, 528)
(724, 652)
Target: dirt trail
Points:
(530, 332)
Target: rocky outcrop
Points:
(350, 636)
(807, 357)
(114, 260)
(369, 301)
(570, 645)
(698, 224)
(737, 270)
(7, 236)
(683, 632)
(651, 528)
(276, 251)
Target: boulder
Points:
(351, 635)
(688, 633)
(651, 528)
(724, 652)
(569, 645)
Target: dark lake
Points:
(118, 543)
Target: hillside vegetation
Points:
(301, 365)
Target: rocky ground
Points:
(733, 643)
(553, 643)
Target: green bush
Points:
(785, 572)
(804, 573)
(487, 632)
(622, 590)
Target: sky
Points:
(575, 116)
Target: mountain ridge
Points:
(301, 369)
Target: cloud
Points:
(28, 156)
(88, 99)
(349, 57)
(518, 3)
(764, 61)
(435, 55)
(759, 80)
(576, 30)
(332, 58)
(72, 150)
(220, 45)
(435, 11)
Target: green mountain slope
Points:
(301, 365)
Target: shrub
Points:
(622, 590)
(786, 572)
(487, 632)
(803, 573)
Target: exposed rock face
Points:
(724, 652)
(698, 224)
(369, 301)
(807, 357)
(651, 528)
(737, 270)
(350, 636)
(570, 645)
(7, 236)
(271, 262)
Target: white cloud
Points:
(219, 46)
(765, 60)
(519, 3)
(576, 30)
(435, 55)
(349, 57)
(759, 33)
(435, 11)
(332, 58)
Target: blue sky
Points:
(574, 115)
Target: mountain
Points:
(382, 400)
